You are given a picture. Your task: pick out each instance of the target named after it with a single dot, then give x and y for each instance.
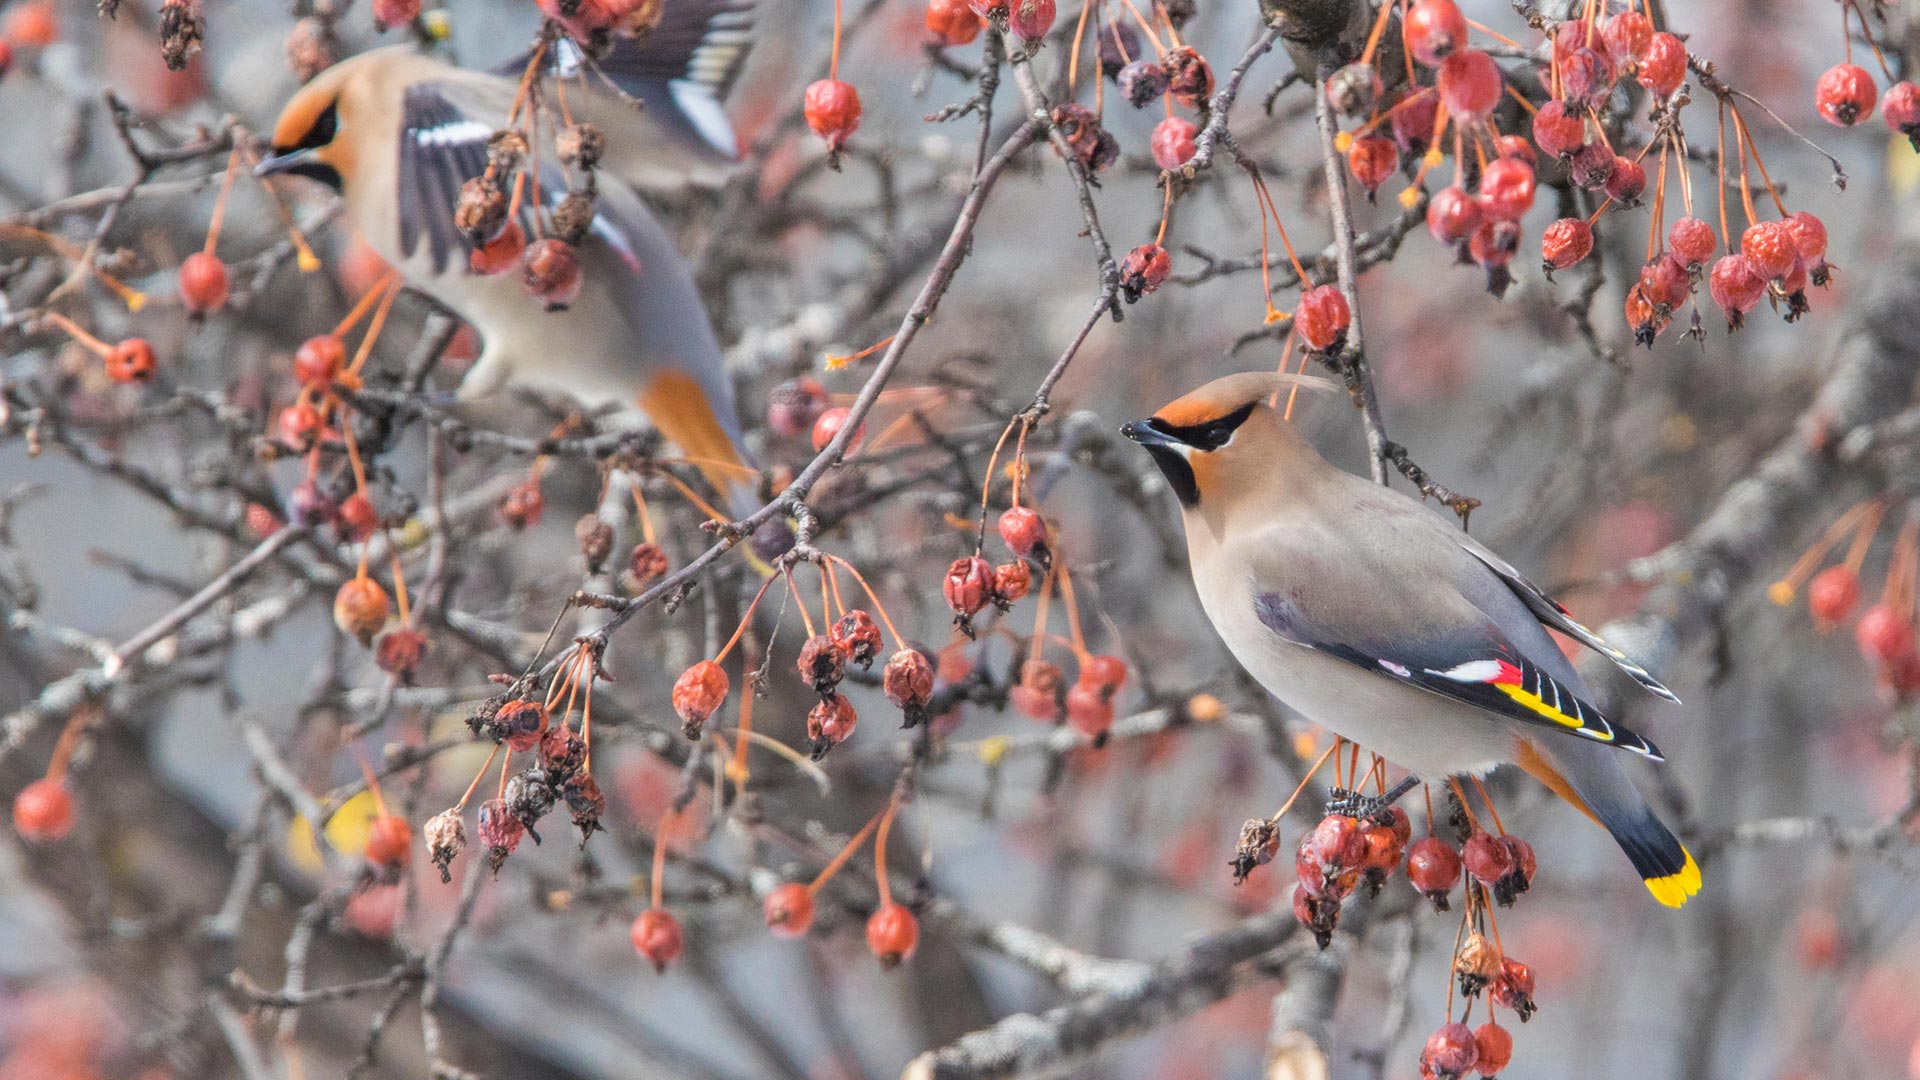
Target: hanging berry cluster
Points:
(893, 930)
(1886, 630)
(1348, 851)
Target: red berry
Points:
(1506, 189)
(1524, 862)
(795, 405)
(1900, 108)
(1434, 29)
(550, 270)
(1336, 844)
(1487, 858)
(203, 283)
(1037, 694)
(523, 504)
(500, 254)
(1832, 594)
(892, 932)
(1494, 243)
(1884, 634)
(908, 680)
(399, 651)
(388, 14)
(1586, 77)
(1736, 286)
(1372, 159)
(1434, 868)
(1558, 132)
(699, 692)
(656, 936)
(822, 663)
(858, 636)
(832, 109)
(1412, 122)
(952, 22)
(1626, 181)
(1090, 709)
(1628, 36)
(1450, 1053)
(1566, 242)
(1809, 235)
(262, 521)
(360, 608)
(1189, 76)
(1172, 142)
(1030, 19)
(830, 723)
(1493, 1044)
(319, 360)
(298, 424)
(131, 361)
(389, 841)
(1769, 247)
(789, 907)
(1664, 67)
(1322, 318)
(43, 811)
(1107, 672)
(1144, 270)
(1845, 95)
(1452, 215)
(357, 516)
(1469, 84)
(827, 427)
(1024, 532)
(968, 584)
(1665, 282)
(1513, 987)
(1691, 241)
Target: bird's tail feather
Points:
(679, 408)
(1592, 780)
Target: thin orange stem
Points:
(846, 852)
(462, 804)
(1305, 780)
(220, 201)
(878, 607)
(744, 620)
(880, 852)
(1488, 799)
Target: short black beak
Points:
(1146, 434)
(278, 163)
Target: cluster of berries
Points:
(489, 212)
(1885, 631)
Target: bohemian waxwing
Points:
(1373, 617)
(397, 134)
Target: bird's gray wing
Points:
(681, 70)
(1555, 614)
(441, 148)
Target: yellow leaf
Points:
(347, 831)
(1903, 166)
(993, 749)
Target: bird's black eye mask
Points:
(1164, 441)
(300, 160)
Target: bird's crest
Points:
(1231, 392)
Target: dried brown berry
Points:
(823, 663)
(446, 837)
(596, 541)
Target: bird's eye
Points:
(1217, 433)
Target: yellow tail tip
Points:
(1674, 889)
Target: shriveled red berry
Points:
(1513, 987)
(1691, 241)
(1900, 108)
(319, 360)
(1452, 215)
(1320, 914)
(1493, 1044)
(1144, 270)
(1493, 246)
(550, 269)
(1336, 844)
(1487, 858)
(521, 724)
(43, 811)
(1172, 142)
(1626, 181)
(1884, 633)
(1372, 158)
(1566, 242)
(1628, 35)
(858, 636)
(828, 425)
(646, 563)
(1434, 29)
(1809, 235)
(830, 723)
(298, 424)
(1558, 132)
(1024, 532)
(1586, 77)
(699, 692)
(1450, 1053)
(1037, 694)
(131, 361)
(968, 585)
(1506, 189)
(1322, 318)
(1469, 84)
(388, 14)
(400, 650)
(1845, 94)
(500, 254)
(523, 505)
(892, 933)
(389, 841)
(1664, 67)
(1434, 868)
(1832, 594)
(656, 936)
(1106, 672)
(500, 830)
(1089, 710)
(1769, 247)
(908, 680)
(832, 109)
(1030, 19)
(203, 283)
(1189, 76)
(1736, 286)
(794, 405)
(822, 663)
(789, 906)
(952, 22)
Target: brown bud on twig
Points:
(1259, 843)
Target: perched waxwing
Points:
(398, 134)
(1372, 616)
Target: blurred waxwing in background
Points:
(610, 317)
(1372, 616)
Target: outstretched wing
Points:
(1475, 664)
(1554, 614)
(682, 70)
(441, 148)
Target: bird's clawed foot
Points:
(1355, 805)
